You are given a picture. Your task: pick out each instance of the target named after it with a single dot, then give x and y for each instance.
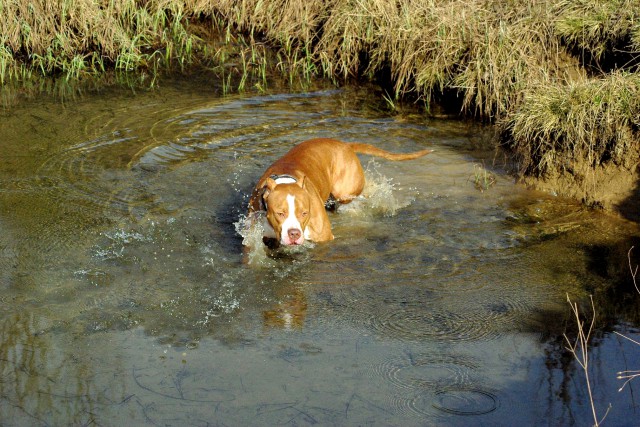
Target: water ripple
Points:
(464, 401)
(433, 383)
(426, 371)
(91, 176)
(416, 324)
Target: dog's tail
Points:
(378, 152)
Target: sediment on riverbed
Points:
(558, 79)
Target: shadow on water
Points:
(440, 302)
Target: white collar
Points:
(284, 179)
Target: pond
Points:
(126, 298)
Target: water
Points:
(442, 301)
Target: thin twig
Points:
(634, 271)
(629, 375)
(625, 337)
(580, 352)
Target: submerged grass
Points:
(559, 78)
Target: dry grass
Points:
(592, 120)
(486, 51)
(601, 26)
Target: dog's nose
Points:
(294, 234)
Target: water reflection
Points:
(40, 382)
(288, 314)
(124, 295)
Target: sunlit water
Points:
(126, 298)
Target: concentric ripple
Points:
(429, 384)
(426, 371)
(415, 323)
(466, 401)
(463, 401)
(92, 175)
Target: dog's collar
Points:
(284, 179)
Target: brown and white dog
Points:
(293, 191)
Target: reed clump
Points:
(600, 27)
(591, 120)
(484, 52)
(78, 37)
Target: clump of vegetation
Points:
(76, 37)
(591, 120)
(485, 52)
(600, 27)
(482, 178)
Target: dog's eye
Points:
(281, 214)
(305, 213)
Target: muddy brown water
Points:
(125, 300)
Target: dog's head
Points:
(288, 207)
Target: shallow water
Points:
(125, 299)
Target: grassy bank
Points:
(74, 38)
(557, 78)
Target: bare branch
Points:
(580, 351)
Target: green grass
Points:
(482, 178)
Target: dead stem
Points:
(580, 351)
(631, 374)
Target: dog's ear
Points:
(271, 184)
(263, 198)
(265, 192)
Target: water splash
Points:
(250, 228)
(380, 195)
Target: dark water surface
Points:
(124, 299)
